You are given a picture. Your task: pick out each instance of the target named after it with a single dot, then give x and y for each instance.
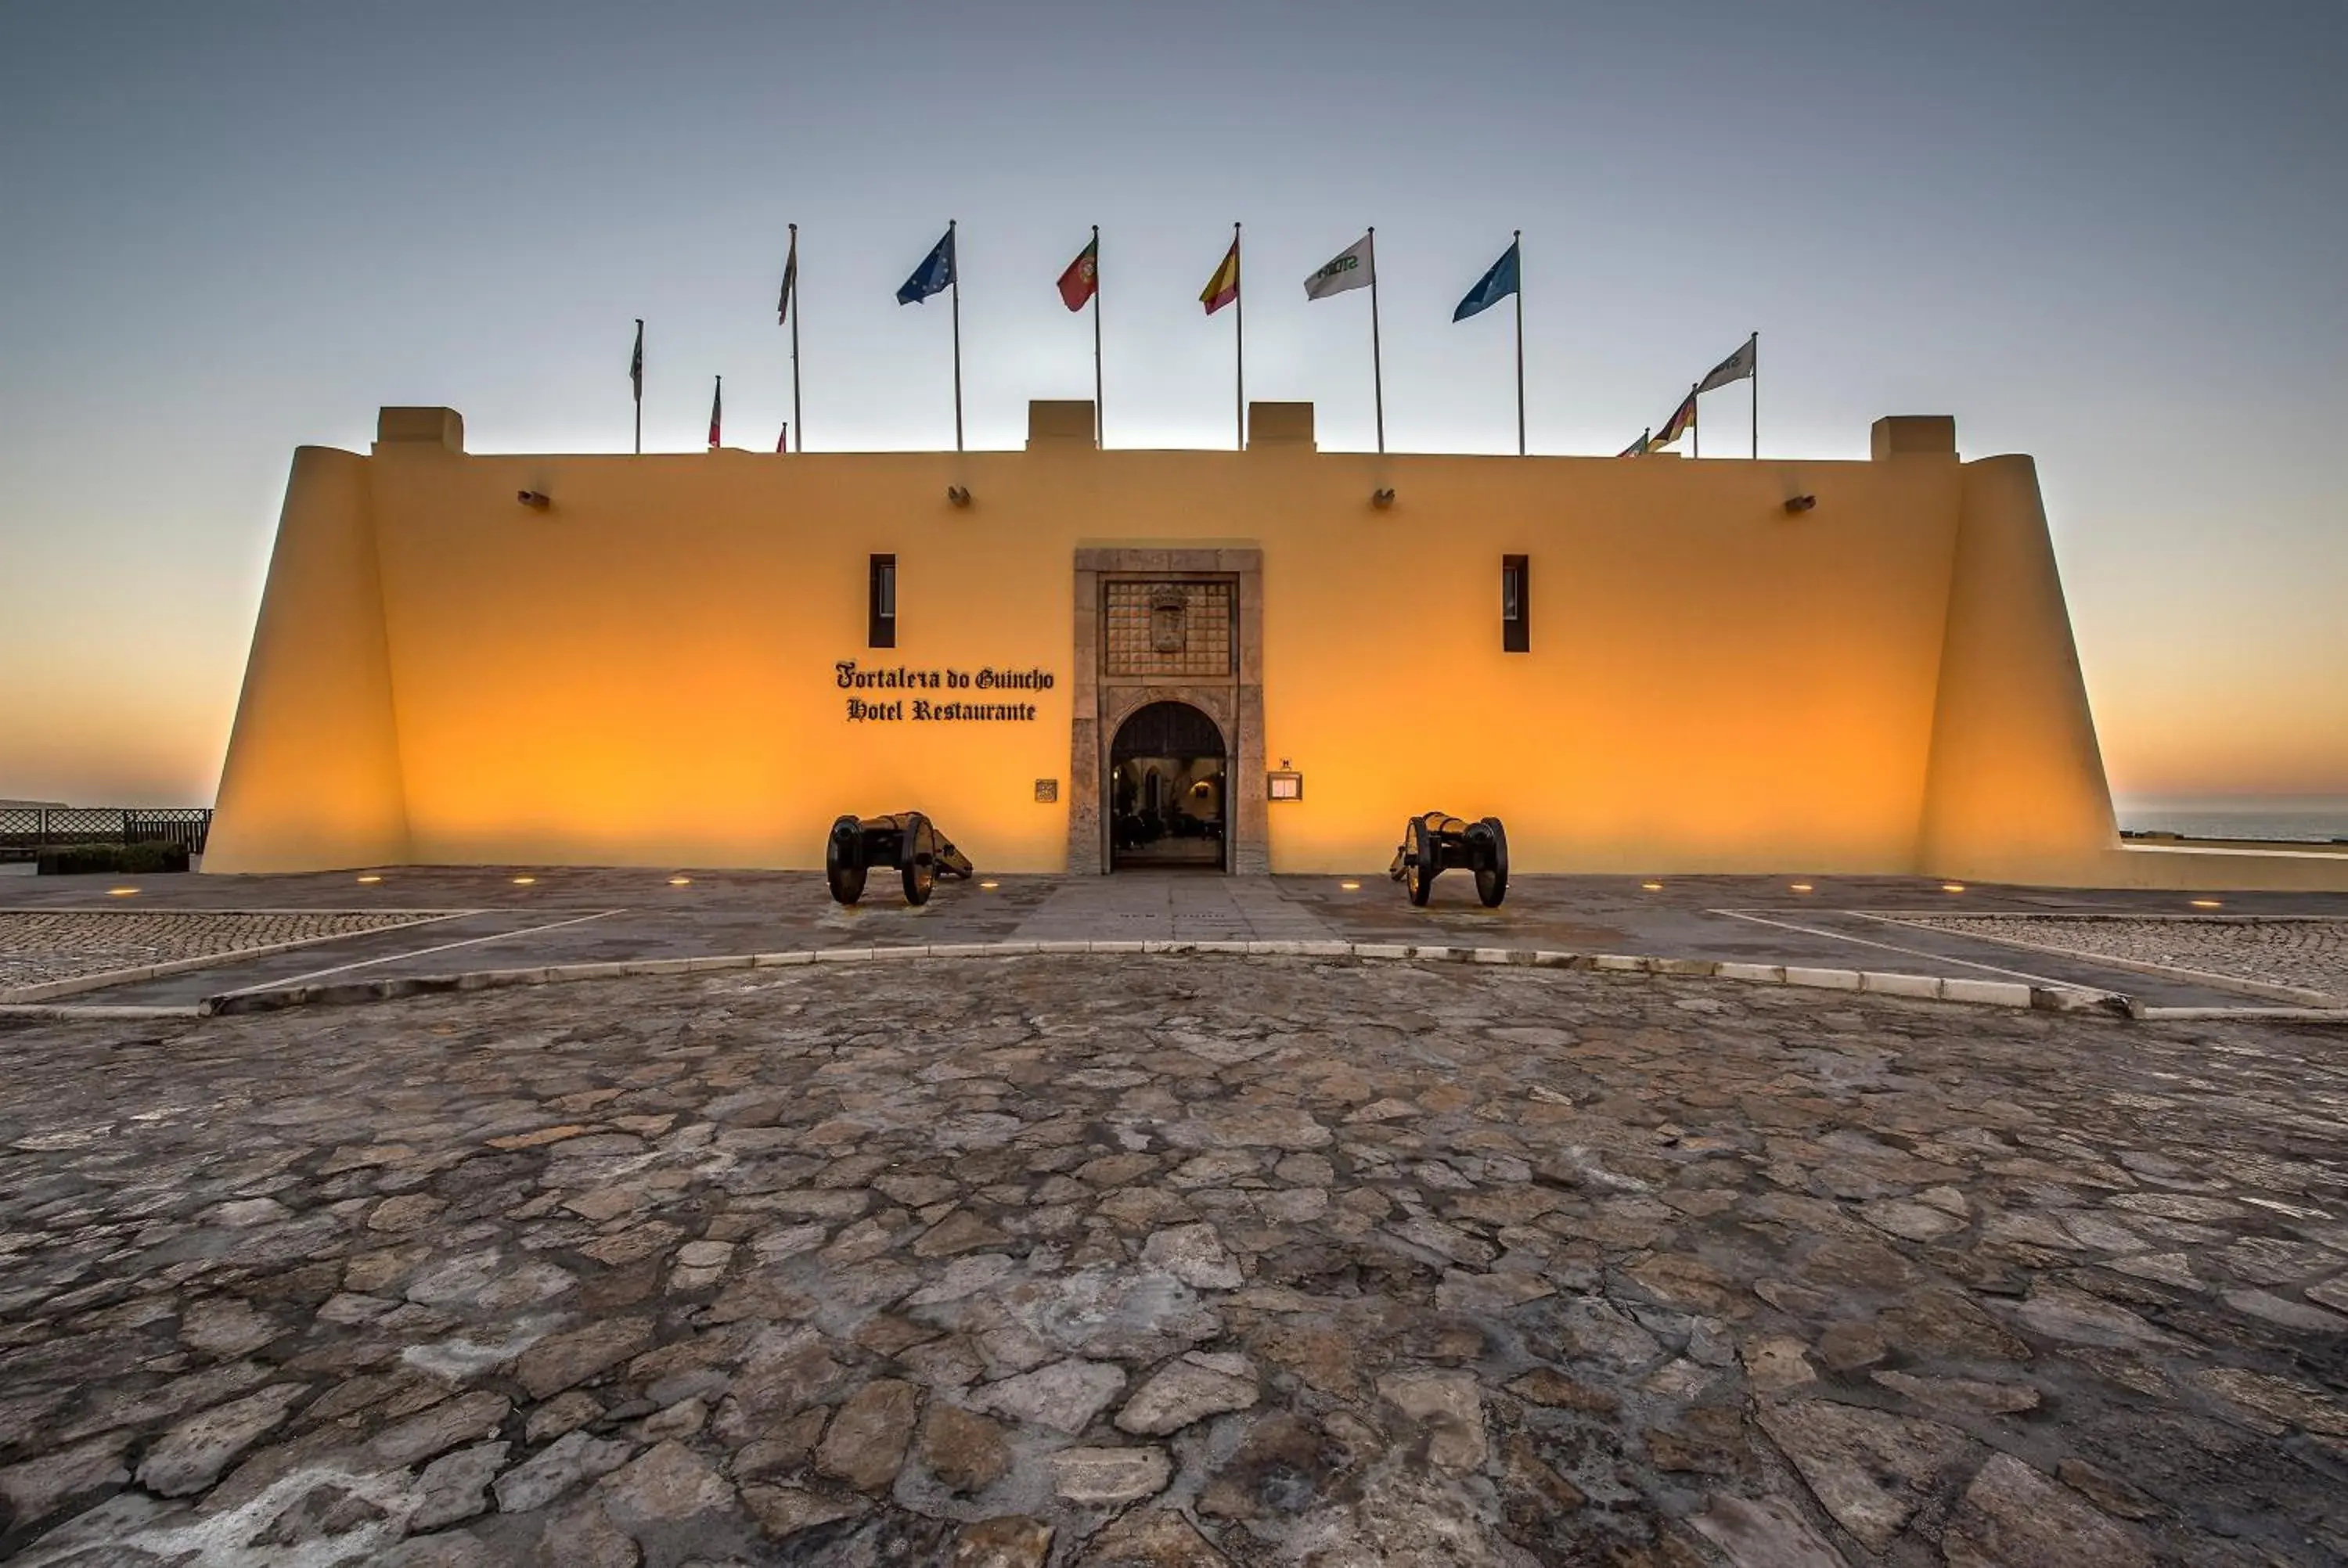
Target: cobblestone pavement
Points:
(2308, 955)
(1159, 1261)
(41, 947)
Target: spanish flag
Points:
(1224, 286)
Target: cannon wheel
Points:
(920, 876)
(847, 882)
(1421, 883)
(1492, 881)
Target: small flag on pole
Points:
(1224, 286)
(716, 412)
(1082, 278)
(1355, 267)
(1352, 268)
(1737, 366)
(1682, 421)
(783, 442)
(1638, 449)
(933, 275)
(636, 381)
(1504, 278)
(790, 281)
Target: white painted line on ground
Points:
(1895, 947)
(418, 953)
(2248, 984)
(106, 980)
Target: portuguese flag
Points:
(1082, 279)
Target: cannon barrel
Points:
(1436, 842)
(906, 842)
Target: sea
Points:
(2303, 819)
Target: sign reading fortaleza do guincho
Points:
(930, 710)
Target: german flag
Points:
(1224, 286)
(1682, 421)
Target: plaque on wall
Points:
(1284, 786)
(1047, 791)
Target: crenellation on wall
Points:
(441, 427)
(1912, 436)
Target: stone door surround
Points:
(1233, 698)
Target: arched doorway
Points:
(1166, 799)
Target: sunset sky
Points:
(2110, 235)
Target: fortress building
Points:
(1081, 661)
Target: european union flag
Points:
(1495, 285)
(932, 275)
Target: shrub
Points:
(82, 859)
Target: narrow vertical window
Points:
(884, 602)
(1515, 611)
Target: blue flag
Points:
(1493, 287)
(932, 275)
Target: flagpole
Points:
(1518, 244)
(1756, 396)
(954, 258)
(1377, 360)
(797, 424)
(1695, 425)
(1100, 414)
(1239, 341)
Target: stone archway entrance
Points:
(1167, 797)
(1181, 628)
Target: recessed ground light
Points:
(1803, 888)
(1953, 887)
(1351, 886)
(370, 876)
(524, 881)
(2207, 904)
(1652, 887)
(990, 886)
(679, 881)
(120, 892)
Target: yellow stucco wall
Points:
(643, 672)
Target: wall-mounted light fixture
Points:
(957, 495)
(1382, 499)
(537, 500)
(1795, 505)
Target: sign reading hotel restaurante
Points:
(922, 709)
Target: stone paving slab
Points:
(562, 917)
(1111, 1260)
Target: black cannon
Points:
(908, 841)
(1436, 843)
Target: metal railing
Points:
(27, 830)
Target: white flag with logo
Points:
(1736, 367)
(1351, 268)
